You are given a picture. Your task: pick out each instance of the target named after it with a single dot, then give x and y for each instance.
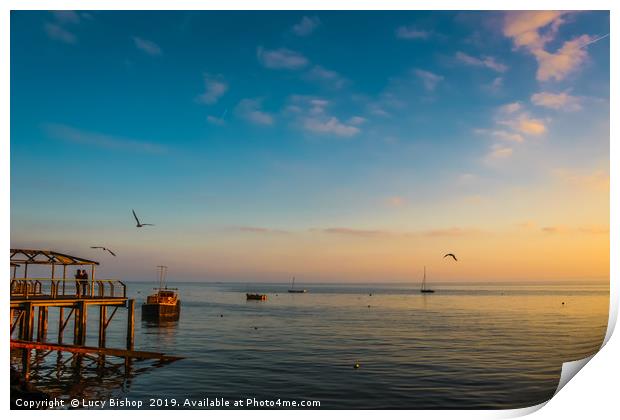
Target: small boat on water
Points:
(424, 289)
(163, 304)
(293, 290)
(255, 296)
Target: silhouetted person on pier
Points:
(81, 282)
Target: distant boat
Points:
(424, 289)
(164, 304)
(255, 296)
(293, 290)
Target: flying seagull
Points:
(104, 248)
(450, 255)
(138, 224)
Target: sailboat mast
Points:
(162, 271)
(424, 279)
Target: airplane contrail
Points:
(594, 40)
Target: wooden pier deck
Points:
(34, 297)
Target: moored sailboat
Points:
(424, 289)
(293, 290)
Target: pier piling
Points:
(130, 323)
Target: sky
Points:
(330, 146)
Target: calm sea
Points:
(466, 346)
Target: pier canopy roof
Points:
(38, 256)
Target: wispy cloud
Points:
(306, 26)
(88, 138)
(66, 16)
(259, 230)
(58, 33)
(513, 116)
(215, 88)
(587, 230)
(364, 233)
(411, 32)
(533, 30)
(380, 233)
(597, 180)
(147, 46)
(560, 101)
(525, 124)
(332, 125)
(506, 135)
(215, 120)
(281, 58)
(327, 77)
(495, 85)
(58, 30)
(452, 232)
(498, 152)
(311, 115)
(430, 80)
(484, 61)
(251, 110)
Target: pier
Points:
(32, 299)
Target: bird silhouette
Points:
(138, 224)
(104, 248)
(450, 255)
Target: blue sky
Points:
(245, 128)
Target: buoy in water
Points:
(356, 365)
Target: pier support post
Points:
(130, 323)
(61, 320)
(79, 329)
(76, 323)
(28, 322)
(102, 324)
(42, 323)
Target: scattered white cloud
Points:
(346, 231)
(411, 32)
(526, 125)
(327, 77)
(58, 33)
(533, 30)
(78, 136)
(259, 230)
(215, 120)
(496, 84)
(430, 80)
(215, 88)
(510, 108)
(66, 16)
(306, 26)
(498, 151)
(311, 115)
(281, 58)
(147, 46)
(505, 135)
(356, 120)
(597, 180)
(513, 116)
(485, 61)
(560, 101)
(251, 110)
(331, 125)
